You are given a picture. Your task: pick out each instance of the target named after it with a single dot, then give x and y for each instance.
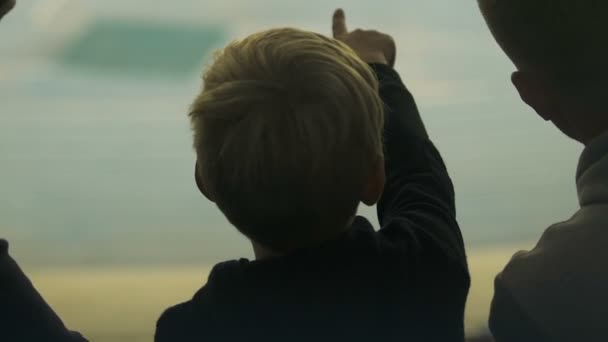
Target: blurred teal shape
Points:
(136, 48)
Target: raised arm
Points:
(417, 206)
(418, 194)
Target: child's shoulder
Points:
(175, 320)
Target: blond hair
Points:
(287, 130)
(565, 39)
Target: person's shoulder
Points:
(184, 318)
(560, 244)
(175, 313)
(562, 274)
(532, 264)
(174, 322)
(415, 252)
(563, 249)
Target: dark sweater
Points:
(24, 315)
(406, 282)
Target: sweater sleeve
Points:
(417, 206)
(24, 314)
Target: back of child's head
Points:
(287, 130)
(567, 40)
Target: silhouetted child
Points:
(559, 290)
(292, 130)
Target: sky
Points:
(96, 164)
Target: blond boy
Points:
(292, 130)
(559, 290)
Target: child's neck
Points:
(260, 252)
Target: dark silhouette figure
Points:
(558, 290)
(24, 315)
(406, 282)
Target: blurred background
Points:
(96, 167)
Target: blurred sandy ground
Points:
(123, 304)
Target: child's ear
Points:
(375, 183)
(535, 92)
(199, 182)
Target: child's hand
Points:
(6, 6)
(371, 46)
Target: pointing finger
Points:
(339, 24)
